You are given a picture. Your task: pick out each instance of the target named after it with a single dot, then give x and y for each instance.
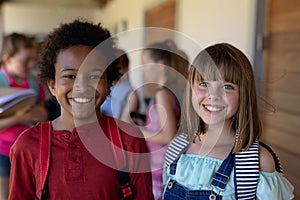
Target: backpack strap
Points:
(45, 153)
(118, 151)
(3, 80)
(126, 189)
(275, 157)
(179, 145)
(247, 172)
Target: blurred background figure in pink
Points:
(18, 58)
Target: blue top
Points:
(195, 172)
(117, 100)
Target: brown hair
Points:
(177, 61)
(168, 52)
(12, 43)
(224, 62)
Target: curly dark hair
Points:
(78, 32)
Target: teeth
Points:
(82, 100)
(213, 109)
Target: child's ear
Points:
(5, 58)
(52, 87)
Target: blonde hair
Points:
(226, 62)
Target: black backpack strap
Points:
(126, 189)
(275, 157)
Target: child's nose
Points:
(216, 92)
(80, 83)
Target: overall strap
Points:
(221, 177)
(247, 172)
(179, 144)
(173, 166)
(3, 80)
(126, 190)
(44, 154)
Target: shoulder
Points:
(164, 92)
(131, 135)
(165, 95)
(177, 146)
(29, 134)
(27, 142)
(126, 127)
(266, 160)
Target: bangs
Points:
(214, 68)
(232, 73)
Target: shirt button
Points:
(72, 146)
(73, 158)
(67, 136)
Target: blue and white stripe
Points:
(176, 148)
(247, 172)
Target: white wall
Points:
(41, 18)
(133, 13)
(211, 21)
(199, 23)
(202, 21)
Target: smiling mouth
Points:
(82, 100)
(213, 108)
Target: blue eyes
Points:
(225, 86)
(95, 77)
(228, 87)
(204, 84)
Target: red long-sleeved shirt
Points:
(77, 172)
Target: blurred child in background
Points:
(165, 66)
(18, 57)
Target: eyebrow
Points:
(68, 69)
(97, 69)
(72, 69)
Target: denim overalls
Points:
(176, 191)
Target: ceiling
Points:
(100, 3)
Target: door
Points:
(282, 85)
(161, 16)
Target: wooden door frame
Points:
(260, 44)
